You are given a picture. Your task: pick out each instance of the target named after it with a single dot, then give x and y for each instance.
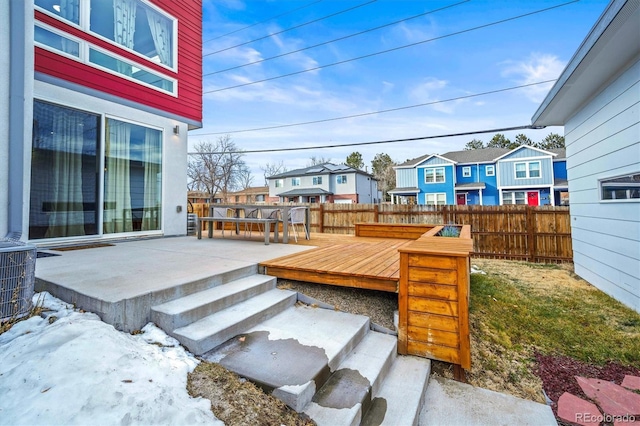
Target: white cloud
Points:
(537, 67)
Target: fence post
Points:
(531, 238)
(376, 213)
(321, 219)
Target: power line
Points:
(393, 49)
(336, 39)
(380, 111)
(262, 22)
(292, 28)
(449, 135)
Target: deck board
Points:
(343, 260)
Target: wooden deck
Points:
(343, 260)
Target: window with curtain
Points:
(69, 10)
(133, 178)
(135, 25)
(64, 172)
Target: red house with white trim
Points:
(101, 94)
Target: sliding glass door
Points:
(66, 174)
(132, 177)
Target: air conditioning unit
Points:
(17, 278)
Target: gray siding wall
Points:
(507, 173)
(366, 187)
(4, 116)
(603, 140)
(406, 178)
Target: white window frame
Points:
(84, 18)
(279, 183)
(527, 169)
(466, 171)
(433, 171)
(317, 180)
(490, 170)
(295, 181)
(438, 199)
(512, 195)
(341, 179)
(84, 58)
(631, 191)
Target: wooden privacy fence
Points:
(515, 232)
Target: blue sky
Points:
(457, 62)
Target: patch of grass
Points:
(577, 321)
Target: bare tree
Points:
(314, 161)
(383, 171)
(272, 170)
(215, 167)
(245, 179)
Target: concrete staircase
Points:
(328, 364)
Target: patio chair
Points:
(221, 212)
(250, 213)
(296, 217)
(270, 213)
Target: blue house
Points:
(489, 176)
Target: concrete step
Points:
(223, 275)
(293, 354)
(207, 333)
(347, 394)
(186, 310)
(402, 394)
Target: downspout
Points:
(17, 52)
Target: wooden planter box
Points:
(433, 297)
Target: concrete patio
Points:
(121, 282)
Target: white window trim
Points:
(527, 169)
(81, 50)
(317, 180)
(83, 58)
(341, 179)
(493, 170)
(435, 198)
(134, 64)
(84, 18)
(444, 175)
(512, 193)
(615, 200)
(295, 181)
(466, 171)
(279, 183)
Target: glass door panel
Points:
(133, 178)
(64, 170)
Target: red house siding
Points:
(188, 103)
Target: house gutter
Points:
(17, 52)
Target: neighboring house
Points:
(198, 197)
(597, 100)
(98, 96)
(253, 195)
(489, 176)
(324, 183)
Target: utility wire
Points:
(449, 135)
(393, 49)
(292, 28)
(337, 39)
(262, 22)
(378, 112)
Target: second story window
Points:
(341, 179)
(435, 175)
(490, 170)
(528, 170)
(279, 183)
(135, 25)
(466, 171)
(295, 181)
(317, 180)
